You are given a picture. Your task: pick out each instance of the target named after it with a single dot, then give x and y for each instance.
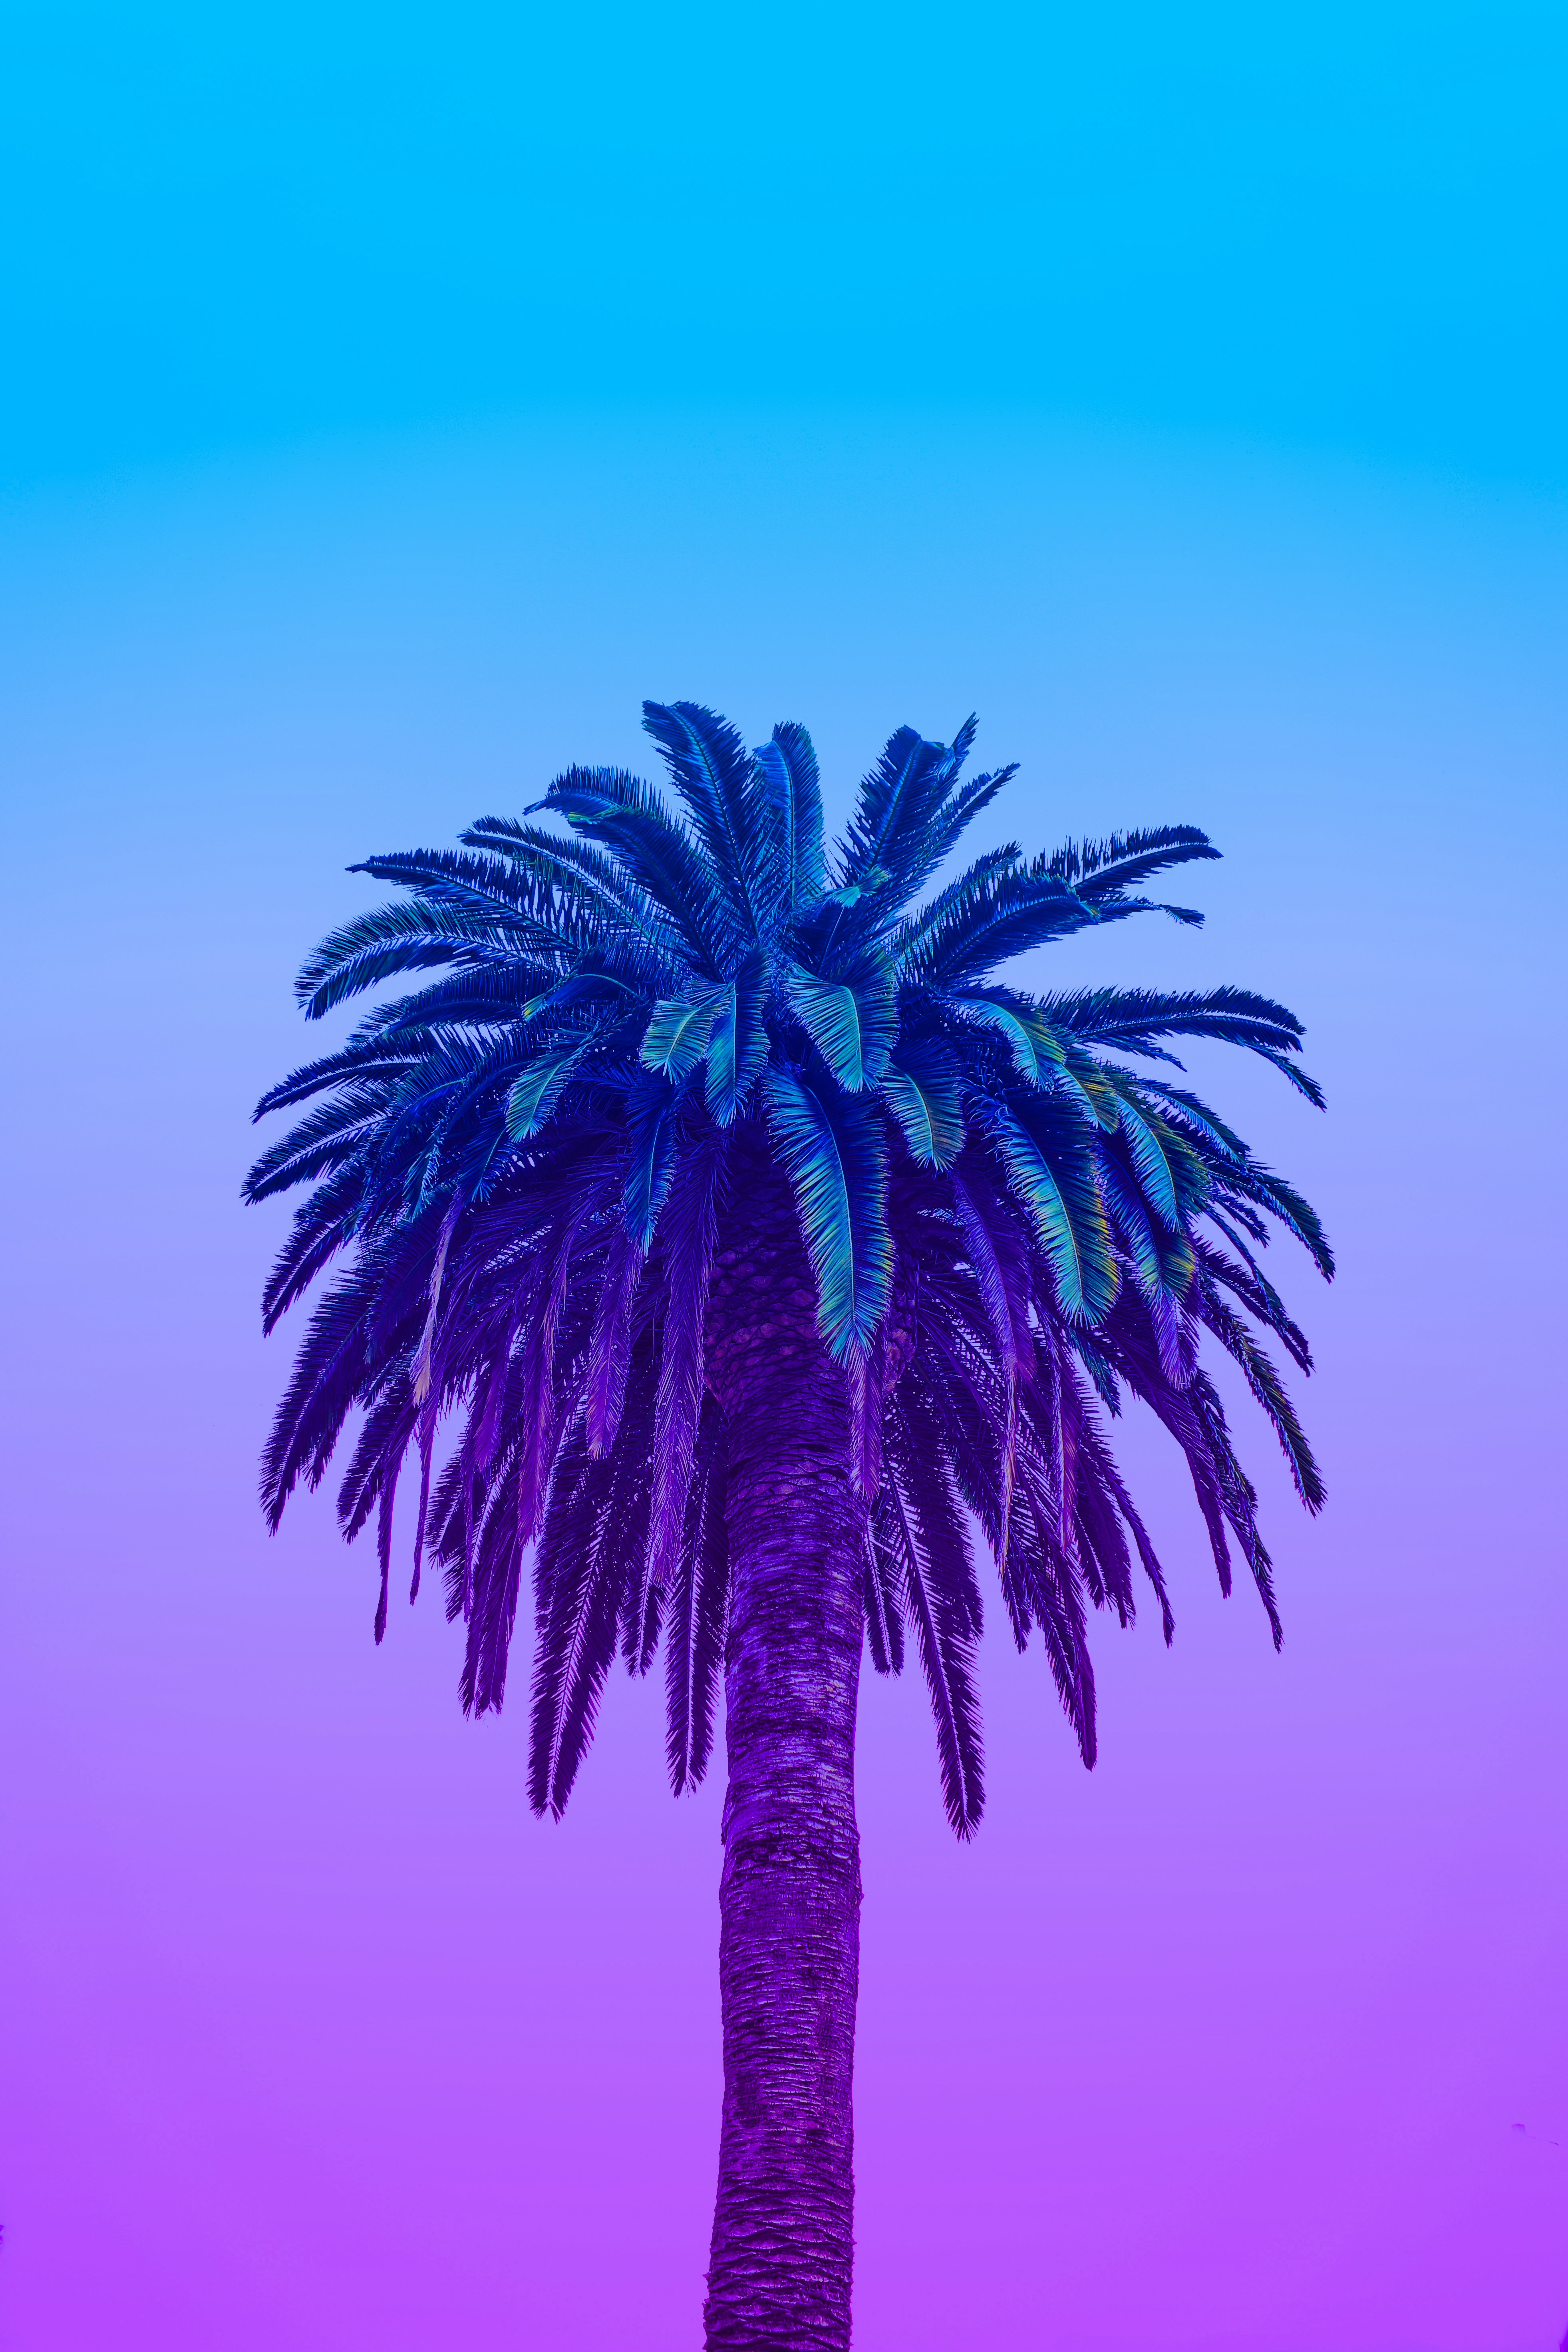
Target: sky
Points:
(388, 403)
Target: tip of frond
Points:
(1303, 1082)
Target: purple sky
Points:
(1253, 2041)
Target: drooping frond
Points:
(581, 1576)
(835, 1151)
(939, 1595)
(410, 937)
(852, 1020)
(698, 1613)
(737, 1040)
(922, 1087)
(689, 1237)
(1130, 1017)
(1048, 1163)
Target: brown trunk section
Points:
(789, 1899)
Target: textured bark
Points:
(790, 1893)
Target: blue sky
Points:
(1328, 228)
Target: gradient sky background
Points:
(390, 399)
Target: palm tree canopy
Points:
(531, 1158)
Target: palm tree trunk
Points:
(789, 1899)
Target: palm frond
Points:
(1267, 1386)
(581, 1575)
(1132, 1017)
(789, 802)
(698, 1613)
(609, 1353)
(1051, 1169)
(406, 937)
(898, 797)
(563, 863)
(611, 806)
(676, 1038)
(1095, 870)
(939, 1596)
(690, 1236)
(834, 1148)
(712, 770)
(650, 1132)
(920, 1087)
(999, 912)
(852, 1021)
(1151, 1164)
(737, 1041)
(882, 1588)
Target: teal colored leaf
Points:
(984, 1012)
(676, 1037)
(1050, 1171)
(1129, 1215)
(1081, 1079)
(853, 1022)
(834, 1148)
(1177, 1265)
(737, 1041)
(533, 1101)
(1048, 1045)
(1156, 1177)
(589, 982)
(920, 1087)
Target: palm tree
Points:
(749, 1240)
